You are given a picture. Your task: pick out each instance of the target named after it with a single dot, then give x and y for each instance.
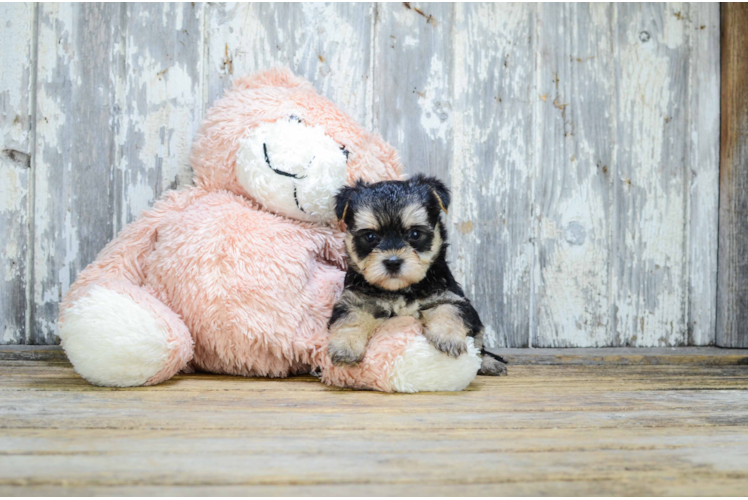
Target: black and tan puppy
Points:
(397, 266)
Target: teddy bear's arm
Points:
(330, 245)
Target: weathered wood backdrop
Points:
(732, 283)
(580, 141)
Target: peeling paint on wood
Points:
(413, 84)
(16, 101)
(574, 167)
(79, 70)
(650, 275)
(703, 172)
(580, 142)
(328, 44)
(160, 103)
(491, 235)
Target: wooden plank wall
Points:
(16, 134)
(732, 313)
(581, 142)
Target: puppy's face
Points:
(393, 229)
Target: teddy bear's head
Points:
(273, 139)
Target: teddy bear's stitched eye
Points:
(345, 152)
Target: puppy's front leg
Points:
(349, 334)
(445, 329)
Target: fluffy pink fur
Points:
(383, 349)
(240, 290)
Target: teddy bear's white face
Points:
(292, 169)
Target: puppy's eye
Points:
(414, 234)
(371, 237)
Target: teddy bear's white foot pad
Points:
(422, 368)
(112, 339)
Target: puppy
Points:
(396, 244)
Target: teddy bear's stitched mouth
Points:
(279, 172)
(296, 199)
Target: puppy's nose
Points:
(392, 264)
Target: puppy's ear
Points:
(439, 191)
(342, 201)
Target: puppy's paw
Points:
(344, 353)
(492, 366)
(444, 327)
(448, 343)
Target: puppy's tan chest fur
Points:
(401, 307)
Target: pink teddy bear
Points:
(238, 274)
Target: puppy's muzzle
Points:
(393, 264)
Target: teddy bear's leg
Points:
(114, 330)
(118, 334)
(400, 359)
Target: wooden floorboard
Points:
(547, 429)
(697, 356)
(700, 356)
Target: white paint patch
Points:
(13, 187)
(410, 41)
(674, 29)
(435, 111)
(491, 336)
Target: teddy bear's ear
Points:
(276, 77)
(391, 167)
(343, 201)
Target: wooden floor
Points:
(568, 429)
